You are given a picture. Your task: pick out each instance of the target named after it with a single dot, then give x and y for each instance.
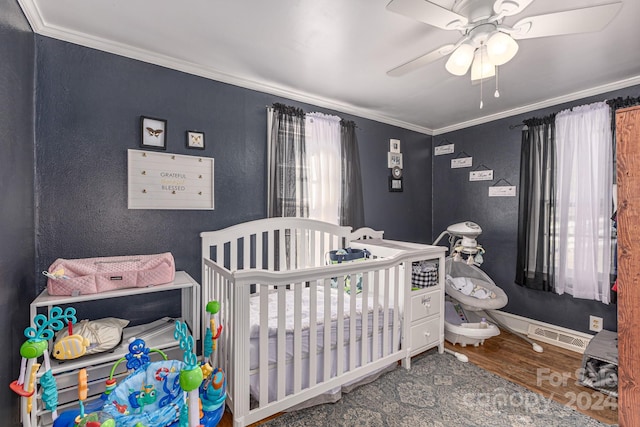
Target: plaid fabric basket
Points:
(424, 274)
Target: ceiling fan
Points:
(486, 41)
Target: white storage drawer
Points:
(425, 305)
(425, 333)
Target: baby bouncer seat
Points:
(166, 393)
(155, 393)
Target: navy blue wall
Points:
(17, 234)
(88, 103)
(88, 108)
(456, 199)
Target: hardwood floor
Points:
(551, 373)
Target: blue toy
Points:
(36, 346)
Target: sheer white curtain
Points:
(584, 202)
(324, 160)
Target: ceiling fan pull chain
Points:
(481, 76)
(497, 92)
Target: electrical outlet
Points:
(595, 323)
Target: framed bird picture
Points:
(153, 132)
(195, 139)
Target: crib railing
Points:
(383, 294)
(275, 244)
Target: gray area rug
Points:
(439, 391)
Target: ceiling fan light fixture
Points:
(460, 60)
(501, 48)
(482, 67)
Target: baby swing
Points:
(472, 295)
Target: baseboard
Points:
(545, 332)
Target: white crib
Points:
(290, 331)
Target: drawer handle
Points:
(426, 301)
(427, 334)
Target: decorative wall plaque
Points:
(169, 181)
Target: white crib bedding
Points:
(305, 313)
(274, 313)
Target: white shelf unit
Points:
(157, 335)
(425, 306)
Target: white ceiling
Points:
(335, 53)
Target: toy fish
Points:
(70, 347)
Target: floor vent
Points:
(555, 337)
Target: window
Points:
(313, 167)
(564, 223)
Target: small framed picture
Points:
(394, 145)
(395, 184)
(195, 139)
(394, 159)
(153, 133)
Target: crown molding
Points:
(620, 84)
(40, 27)
(32, 13)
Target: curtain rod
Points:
(270, 107)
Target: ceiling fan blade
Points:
(429, 13)
(421, 61)
(568, 22)
(510, 7)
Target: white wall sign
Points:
(443, 149)
(394, 145)
(483, 175)
(394, 159)
(462, 162)
(502, 191)
(169, 181)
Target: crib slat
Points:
(297, 337)
(313, 333)
(385, 319)
(282, 342)
(376, 315)
(219, 254)
(340, 328)
(302, 249)
(396, 302)
(268, 256)
(364, 350)
(263, 354)
(233, 255)
(293, 250)
(233, 339)
(222, 295)
(258, 251)
(246, 252)
(315, 260)
(206, 292)
(240, 343)
(322, 244)
(282, 262)
(327, 330)
(352, 322)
